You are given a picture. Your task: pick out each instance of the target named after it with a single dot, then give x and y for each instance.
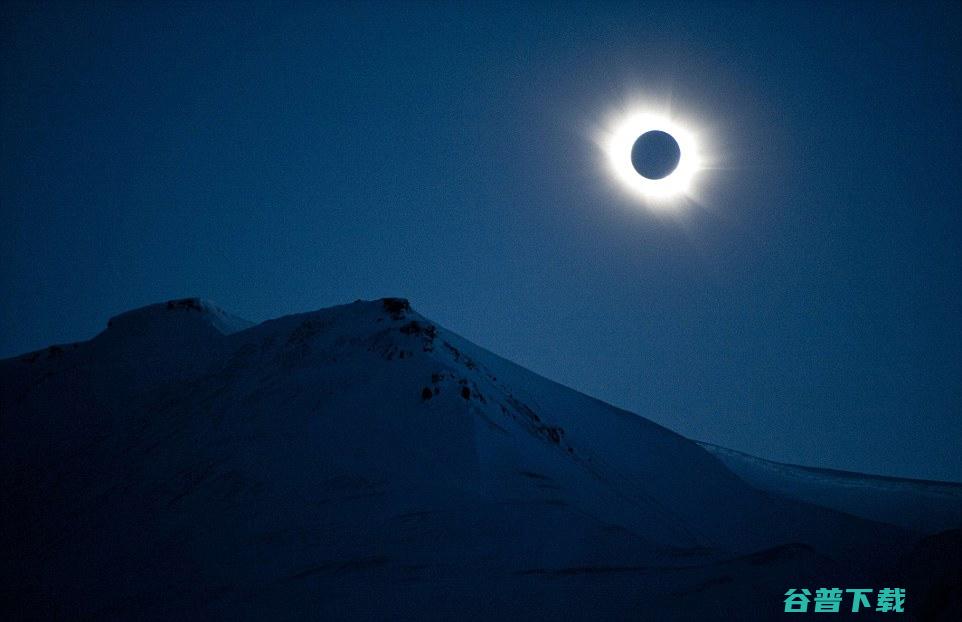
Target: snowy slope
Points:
(925, 506)
(361, 462)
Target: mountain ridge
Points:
(365, 442)
(926, 506)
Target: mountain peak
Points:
(397, 307)
(177, 312)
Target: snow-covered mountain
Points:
(362, 462)
(920, 505)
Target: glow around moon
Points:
(617, 141)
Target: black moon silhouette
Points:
(655, 154)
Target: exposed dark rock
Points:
(552, 432)
(397, 307)
(192, 304)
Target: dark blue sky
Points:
(281, 157)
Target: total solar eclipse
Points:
(655, 155)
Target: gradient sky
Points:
(278, 158)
